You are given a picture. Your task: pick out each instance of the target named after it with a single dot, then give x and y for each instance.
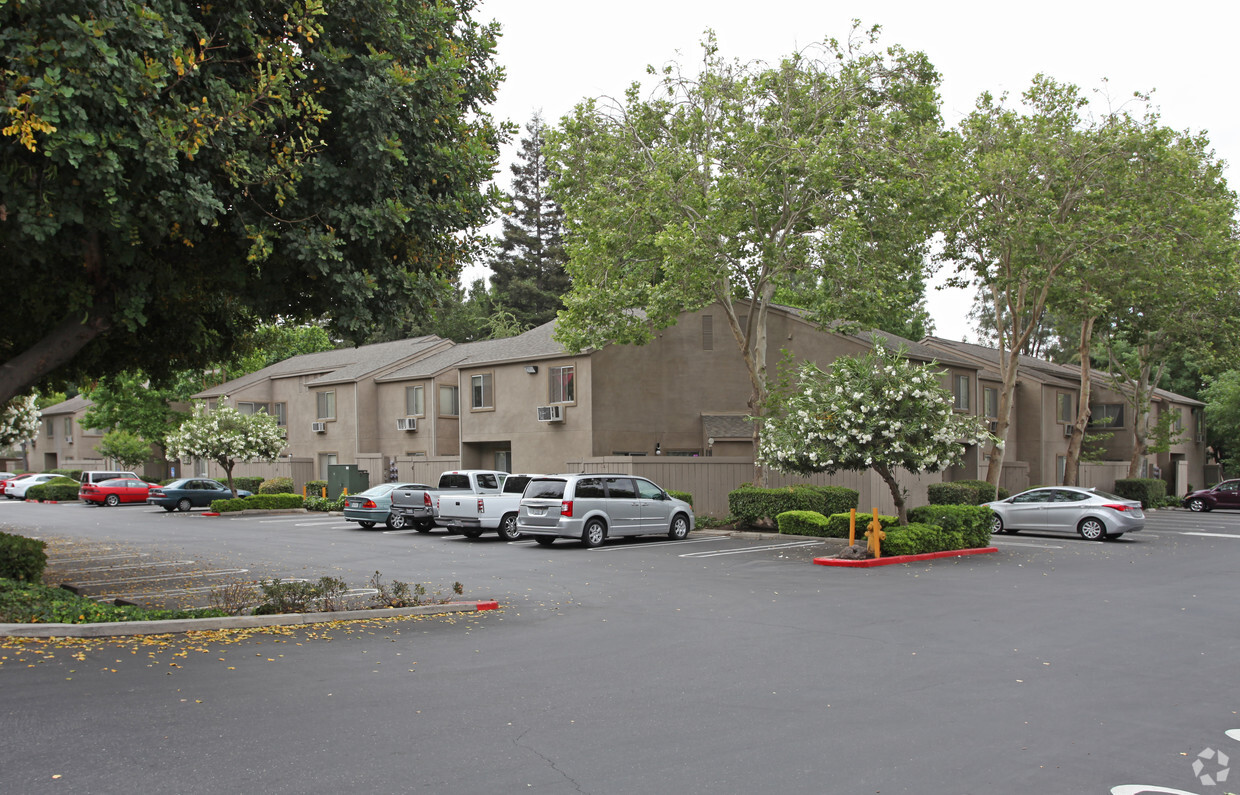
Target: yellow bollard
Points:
(324, 492)
(344, 492)
(852, 526)
(875, 534)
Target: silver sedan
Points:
(1096, 515)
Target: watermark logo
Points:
(1217, 762)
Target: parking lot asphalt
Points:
(718, 664)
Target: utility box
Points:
(346, 476)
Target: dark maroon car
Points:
(1224, 495)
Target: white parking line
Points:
(1211, 535)
(158, 577)
(52, 560)
(995, 543)
(149, 565)
(743, 550)
(658, 544)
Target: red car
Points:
(4, 484)
(115, 491)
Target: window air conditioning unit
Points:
(69, 439)
(551, 414)
(406, 423)
(1067, 430)
(1201, 437)
(318, 427)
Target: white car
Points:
(17, 489)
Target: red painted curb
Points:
(209, 513)
(866, 564)
(488, 605)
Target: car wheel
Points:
(471, 533)
(545, 541)
(396, 521)
(1198, 505)
(593, 534)
(508, 527)
(1092, 529)
(184, 504)
(367, 525)
(169, 508)
(680, 527)
(423, 527)
(111, 500)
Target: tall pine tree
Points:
(529, 277)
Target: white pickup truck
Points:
(475, 514)
(420, 507)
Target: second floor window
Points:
(481, 395)
(1106, 415)
(449, 401)
(562, 390)
(1064, 412)
(990, 402)
(414, 401)
(326, 402)
(960, 391)
(280, 412)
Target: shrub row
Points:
(75, 474)
(916, 538)
(681, 495)
(22, 558)
(56, 490)
(258, 501)
(964, 526)
(1150, 491)
(316, 503)
(315, 488)
(35, 603)
(964, 492)
(971, 521)
(812, 523)
(750, 504)
(247, 482)
(278, 485)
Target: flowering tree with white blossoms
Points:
(876, 411)
(19, 421)
(226, 436)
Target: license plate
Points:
(538, 511)
(355, 503)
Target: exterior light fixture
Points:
(532, 369)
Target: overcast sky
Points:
(558, 52)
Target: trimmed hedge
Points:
(971, 521)
(916, 538)
(278, 485)
(75, 474)
(258, 501)
(837, 524)
(22, 558)
(56, 490)
(802, 523)
(681, 495)
(952, 494)
(1150, 491)
(245, 482)
(314, 488)
(751, 504)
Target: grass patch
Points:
(33, 603)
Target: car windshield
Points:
(545, 490)
(1108, 496)
(382, 490)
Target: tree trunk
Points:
(62, 344)
(897, 496)
(1072, 464)
(1141, 415)
(752, 342)
(1008, 365)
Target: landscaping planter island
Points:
(889, 561)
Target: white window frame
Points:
(416, 408)
(556, 383)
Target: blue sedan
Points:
(374, 505)
(186, 493)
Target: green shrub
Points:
(278, 485)
(918, 539)
(249, 483)
(1150, 491)
(751, 504)
(315, 488)
(313, 503)
(22, 558)
(959, 493)
(837, 524)
(802, 523)
(971, 521)
(985, 491)
(56, 489)
(258, 502)
(681, 495)
(75, 474)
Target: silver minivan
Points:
(594, 507)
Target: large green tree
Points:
(173, 173)
(815, 174)
(528, 277)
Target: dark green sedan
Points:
(186, 493)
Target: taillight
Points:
(426, 498)
(369, 504)
(566, 509)
(481, 509)
(1117, 507)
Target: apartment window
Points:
(280, 412)
(414, 401)
(990, 402)
(481, 395)
(1177, 420)
(960, 390)
(326, 402)
(708, 332)
(562, 390)
(1106, 415)
(1064, 412)
(251, 408)
(449, 401)
(51, 427)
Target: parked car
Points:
(472, 514)
(374, 505)
(116, 491)
(1095, 515)
(100, 475)
(17, 488)
(4, 484)
(1222, 495)
(186, 493)
(420, 507)
(595, 507)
